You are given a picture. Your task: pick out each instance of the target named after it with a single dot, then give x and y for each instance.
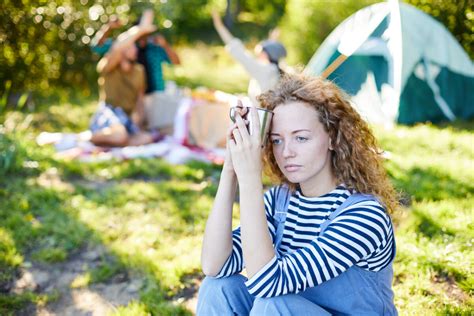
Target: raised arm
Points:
(255, 68)
(223, 32)
(124, 40)
(161, 40)
(104, 32)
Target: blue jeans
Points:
(229, 296)
(108, 115)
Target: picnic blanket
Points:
(200, 129)
(169, 149)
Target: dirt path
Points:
(95, 299)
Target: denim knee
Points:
(222, 285)
(224, 296)
(266, 306)
(290, 304)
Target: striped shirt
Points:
(361, 235)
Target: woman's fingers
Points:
(236, 135)
(255, 126)
(231, 129)
(243, 130)
(243, 110)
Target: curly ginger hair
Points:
(356, 159)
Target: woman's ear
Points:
(330, 144)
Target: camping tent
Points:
(408, 68)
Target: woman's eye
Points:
(276, 141)
(301, 139)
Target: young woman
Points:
(320, 243)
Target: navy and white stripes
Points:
(361, 235)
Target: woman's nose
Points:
(288, 150)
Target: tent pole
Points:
(333, 66)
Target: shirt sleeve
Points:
(159, 53)
(255, 69)
(101, 50)
(235, 262)
(362, 230)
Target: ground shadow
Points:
(50, 237)
(430, 228)
(459, 125)
(430, 184)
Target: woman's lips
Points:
(292, 168)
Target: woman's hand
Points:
(160, 40)
(245, 149)
(228, 166)
(114, 22)
(216, 19)
(242, 111)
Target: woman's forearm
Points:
(225, 35)
(223, 32)
(101, 35)
(256, 241)
(174, 58)
(217, 243)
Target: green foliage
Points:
(433, 270)
(209, 66)
(44, 45)
(11, 304)
(10, 260)
(264, 12)
(11, 155)
(50, 255)
(457, 16)
(312, 21)
(102, 273)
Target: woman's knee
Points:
(226, 284)
(290, 304)
(224, 296)
(265, 306)
(111, 136)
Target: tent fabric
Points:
(409, 68)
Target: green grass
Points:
(208, 66)
(434, 166)
(150, 215)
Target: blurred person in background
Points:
(264, 67)
(102, 42)
(153, 51)
(120, 115)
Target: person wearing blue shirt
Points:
(153, 51)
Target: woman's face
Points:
(261, 54)
(301, 147)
